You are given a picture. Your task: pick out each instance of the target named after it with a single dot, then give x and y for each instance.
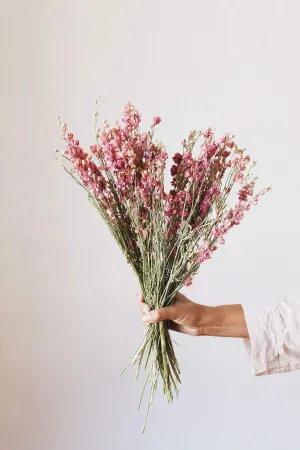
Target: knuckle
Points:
(157, 315)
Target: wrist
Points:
(226, 320)
(208, 320)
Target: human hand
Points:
(183, 315)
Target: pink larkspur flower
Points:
(156, 120)
(188, 280)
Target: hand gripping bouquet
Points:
(164, 235)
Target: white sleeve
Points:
(274, 337)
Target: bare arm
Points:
(191, 318)
(227, 321)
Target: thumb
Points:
(158, 314)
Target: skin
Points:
(188, 317)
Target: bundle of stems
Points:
(165, 236)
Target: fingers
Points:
(154, 316)
(140, 296)
(144, 308)
(142, 305)
(158, 314)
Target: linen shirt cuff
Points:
(264, 347)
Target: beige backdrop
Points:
(68, 313)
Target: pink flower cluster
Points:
(136, 162)
(197, 180)
(205, 181)
(87, 170)
(232, 218)
(125, 165)
(124, 171)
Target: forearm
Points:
(226, 321)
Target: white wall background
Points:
(68, 313)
